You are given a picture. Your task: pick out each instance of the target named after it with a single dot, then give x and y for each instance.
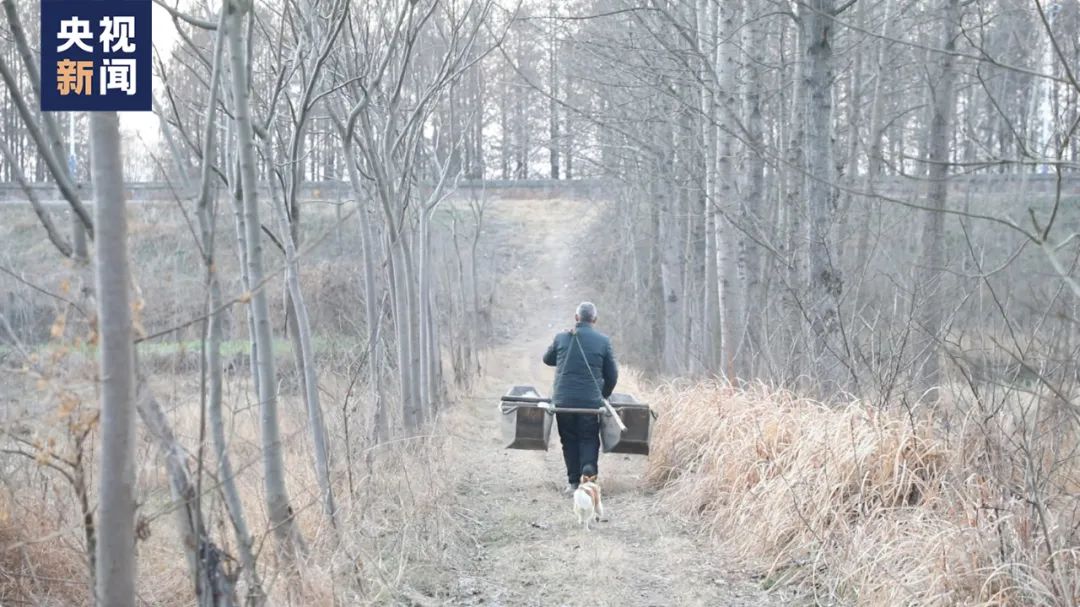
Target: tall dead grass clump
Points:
(860, 505)
(37, 566)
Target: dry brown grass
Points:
(859, 505)
(37, 566)
(396, 532)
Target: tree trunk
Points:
(277, 498)
(850, 170)
(824, 280)
(671, 268)
(793, 209)
(753, 301)
(302, 326)
(693, 234)
(380, 421)
(505, 133)
(431, 331)
(212, 587)
(874, 154)
(411, 416)
(417, 382)
(426, 369)
(116, 509)
(430, 363)
(227, 477)
(728, 236)
(933, 238)
(711, 313)
(553, 105)
(236, 196)
(380, 429)
(80, 248)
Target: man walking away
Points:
(585, 374)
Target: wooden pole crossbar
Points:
(607, 409)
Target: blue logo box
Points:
(96, 56)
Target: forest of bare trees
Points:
(824, 235)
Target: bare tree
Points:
(277, 497)
(116, 510)
(212, 367)
(386, 126)
(942, 106)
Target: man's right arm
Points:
(551, 357)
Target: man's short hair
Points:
(586, 311)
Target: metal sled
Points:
(625, 424)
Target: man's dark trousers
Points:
(580, 435)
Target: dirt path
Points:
(528, 548)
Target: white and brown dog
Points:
(587, 503)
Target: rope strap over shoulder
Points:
(611, 410)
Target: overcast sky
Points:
(145, 124)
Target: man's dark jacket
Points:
(574, 386)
